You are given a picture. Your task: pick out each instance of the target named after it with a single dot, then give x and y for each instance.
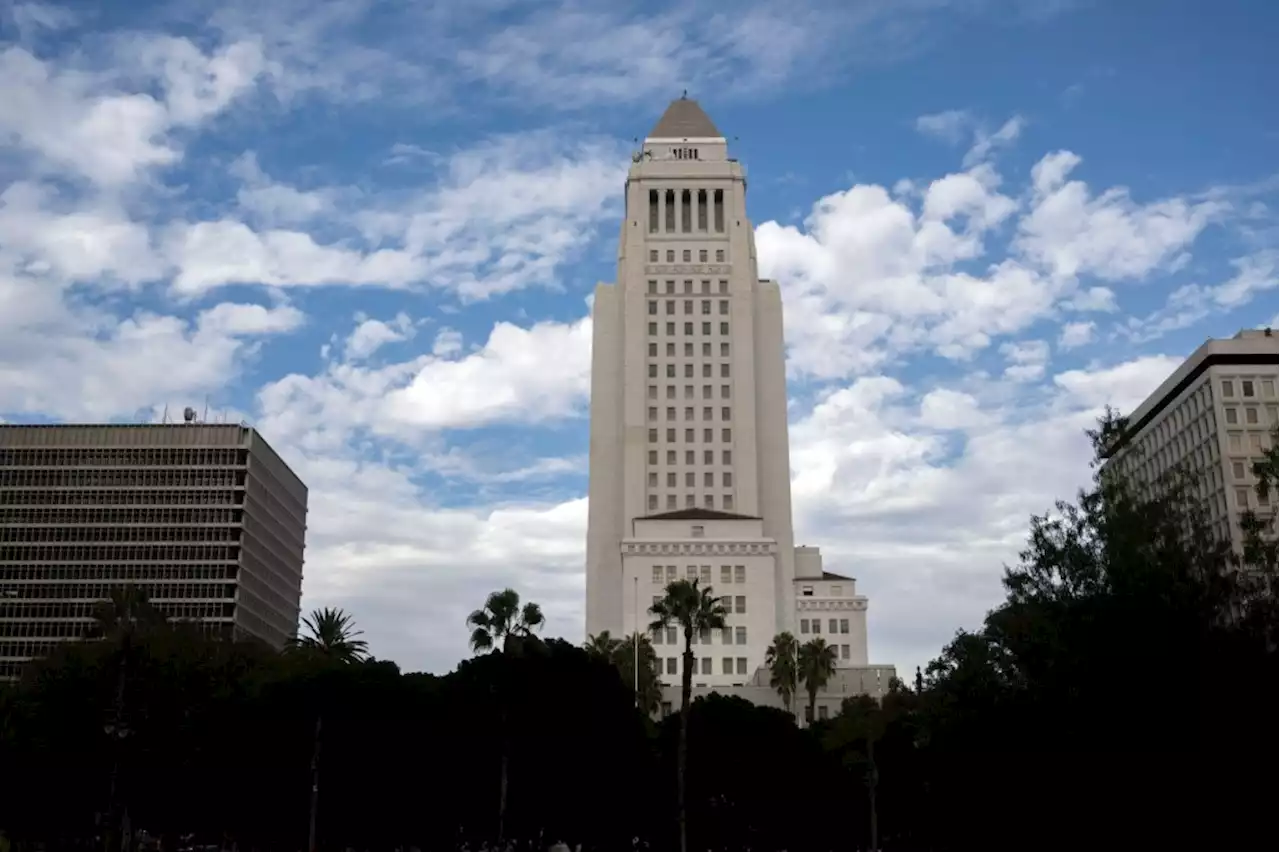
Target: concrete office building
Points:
(1216, 416)
(205, 518)
(689, 460)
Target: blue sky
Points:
(370, 229)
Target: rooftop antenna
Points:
(205, 418)
(164, 418)
(188, 415)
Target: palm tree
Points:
(120, 619)
(623, 654)
(693, 610)
(331, 633)
(503, 621)
(817, 663)
(783, 666)
(603, 646)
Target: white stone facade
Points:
(1216, 415)
(689, 455)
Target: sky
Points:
(370, 229)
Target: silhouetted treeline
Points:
(1122, 696)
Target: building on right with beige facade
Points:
(1215, 416)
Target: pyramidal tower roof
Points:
(684, 119)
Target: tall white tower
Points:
(690, 471)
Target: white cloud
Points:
(949, 125)
(1191, 303)
(1070, 232)
(1075, 334)
(956, 125)
(984, 144)
(371, 335)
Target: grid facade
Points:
(205, 518)
(1215, 417)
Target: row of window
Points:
(690, 479)
(708, 413)
(116, 574)
(122, 457)
(688, 307)
(728, 574)
(686, 256)
(117, 553)
(75, 477)
(728, 665)
(733, 604)
(96, 535)
(728, 636)
(814, 625)
(688, 349)
(688, 371)
(691, 457)
(686, 211)
(1249, 388)
(1252, 415)
(126, 496)
(707, 391)
(690, 436)
(117, 515)
(687, 289)
(691, 502)
(688, 328)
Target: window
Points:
(688, 307)
(740, 604)
(1233, 442)
(671, 501)
(808, 713)
(653, 391)
(697, 531)
(739, 573)
(726, 413)
(726, 601)
(709, 501)
(671, 575)
(688, 350)
(727, 435)
(706, 391)
(1237, 470)
(822, 711)
(671, 665)
(671, 349)
(653, 413)
(708, 480)
(724, 391)
(804, 625)
(653, 479)
(653, 502)
(726, 665)
(653, 457)
(653, 436)
(728, 502)
(688, 456)
(688, 371)
(1231, 415)
(844, 652)
(742, 665)
(684, 256)
(1228, 388)
(671, 328)
(688, 288)
(727, 479)
(657, 637)
(672, 635)
(724, 306)
(706, 328)
(727, 457)
(671, 391)
(671, 256)
(1246, 387)
(666, 709)
(702, 255)
(806, 591)
(1242, 498)
(671, 479)
(706, 371)
(688, 436)
(670, 286)
(704, 287)
(688, 412)
(706, 435)
(724, 328)
(740, 635)
(706, 665)
(1251, 416)
(724, 287)
(726, 575)
(706, 350)
(653, 308)
(653, 328)
(1268, 388)
(706, 306)
(719, 255)
(671, 436)
(671, 308)
(657, 574)
(688, 328)
(724, 370)
(844, 625)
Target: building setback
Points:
(1215, 416)
(690, 472)
(205, 518)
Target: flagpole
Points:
(635, 658)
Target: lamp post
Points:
(635, 641)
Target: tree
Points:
(817, 663)
(603, 647)
(623, 654)
(503, 621)
(783, 666)
(692, 609)
(331, 634)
